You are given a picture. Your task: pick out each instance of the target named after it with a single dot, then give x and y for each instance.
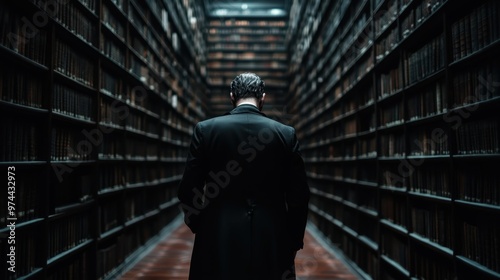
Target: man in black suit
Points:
(244, 192)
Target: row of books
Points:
(429, 142)
(247, 56)
(352, 46)
(385, 16)
(169, 134)
(77, 269)
(141, 123)
(385, 45)
(479, 186)
(427, 266)
(71, 102)
(110, 114)
(395, 249)
(431, 100)
(249, 23)
(392, 115)
(433, 224)
(151, 174)
(90, 4)
(476, 30)
(472, 137)
(21, 88)
(67, 233)
(112, 51)
(108, 215)
(476, 83)
(174, 152)
(69, 189)
(110, 178)
(389, 82)
(111, 22)
(249, 31)
(141, 150)
(481, 243)
(20, 35)
(250, 65)
(431, 181)
(357, 72)
(392, 145)
(69, 144)
(73, 64)
(247, 46)
(416, 16)
(424, 61)
(75, 20)
(112, 148)
(394, 210)
(112, 85)
(367, 147)
(368, 121)
(478, 137)
(236, 38)
(326, 205)
(109, 258)
(20, 140)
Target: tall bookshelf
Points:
(97, 102)
(247, 44)
(397, 106)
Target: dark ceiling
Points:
(248, 8)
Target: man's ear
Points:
(261, 101)
(231, 95)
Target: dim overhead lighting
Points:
(276, 12)
(221, 12)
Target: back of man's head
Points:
(247, 85)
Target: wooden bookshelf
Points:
(396, 106)
(247, 44)
(96, 117)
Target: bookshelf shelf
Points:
(24, 225)
(21, 59)
(110, 234)
(393, 264)
(67, 254)
(444, 251)
(484, 270)
(394, 227)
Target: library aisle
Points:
(170, 259)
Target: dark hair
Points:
(247, 85)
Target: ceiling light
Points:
(221, 12)
(244, 6)
(276, 12)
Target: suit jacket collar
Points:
(246, 109)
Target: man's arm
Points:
(191, 186)
(297, 197)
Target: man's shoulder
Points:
(226, 119)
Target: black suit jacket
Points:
(244, 194)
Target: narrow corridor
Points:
(171, 257)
